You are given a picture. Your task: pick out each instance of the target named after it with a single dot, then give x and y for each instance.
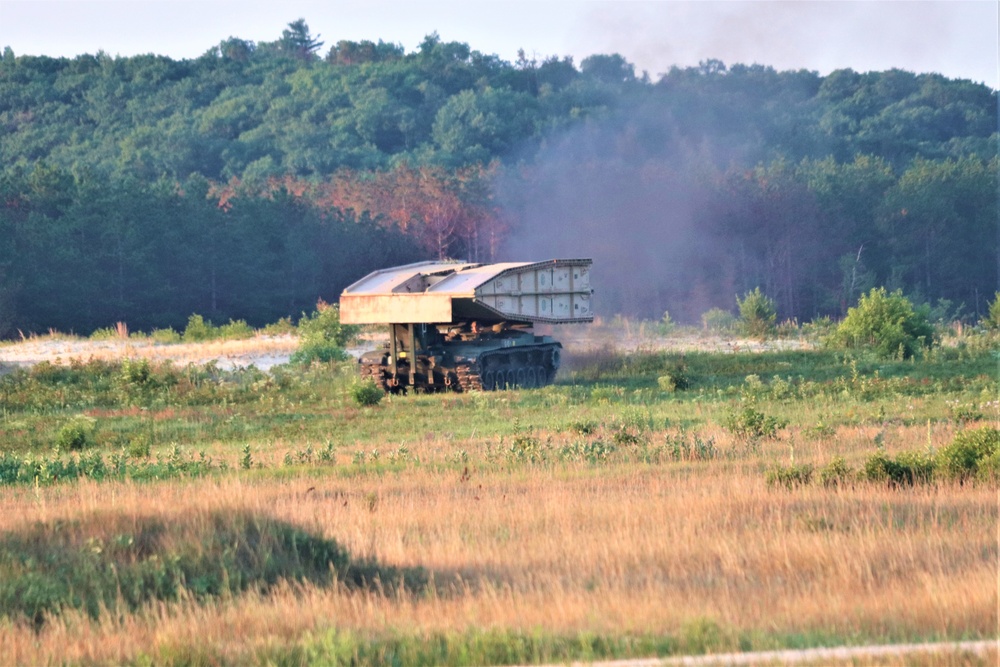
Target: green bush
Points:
(750, 424)
(280, 328)
(818, 329)
(309, 353)
(907, 469)
(968, 451)
(666, 325)
(139, 446)
(235, 330)
(586, 427)
(836, 473)
(757, 314)
(76, 434)
(988, 468)
(718, 320)
(788, 328)
(676, 378)
(106, 333)
(135, 372)
(165, 336)
(322, 337)
(886, 323)
(992, 320)
(789, 476)
(367, 393)
(198, 330)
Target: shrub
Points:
(788, 328)
(753, 389)
(818, 328)
(988, 469)
(750, 425)
(680, 449)
(718, 320)
(667, 383)
(321, 352)
(139, 446)
(968, 451)
(965, 412)
(322, 336)
(246, 458)
(76, 434)
(135, 372)
(106, 333)
(676, 378)
(992, 320)
(757, 314)
(885, 323)
(666, 325)
(789, 476)
(919, 467)
(167, 335)
(906, 469)
(279, 328)
(836, 473)
(367, 393)
(587, 427)
(235, 330)
(198, 330)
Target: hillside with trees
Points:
(259, 177)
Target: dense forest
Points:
(251, 181)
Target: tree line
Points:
(250, 181)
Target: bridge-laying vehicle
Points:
(465, 326)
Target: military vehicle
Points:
(463, 326)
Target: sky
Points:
(957, 38)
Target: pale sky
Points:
(956, 38)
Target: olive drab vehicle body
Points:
(464, 326)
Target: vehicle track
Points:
(809, 656)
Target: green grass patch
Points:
(484, 646)
(476, 647)
(973, 455)
(621, 407)
(116, 563)
(118, 466)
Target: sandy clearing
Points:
(265, 352)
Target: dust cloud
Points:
(629, 195)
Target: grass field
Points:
(157, 514)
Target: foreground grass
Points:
(600, 518)
(641, 559)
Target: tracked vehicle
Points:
(463, 326)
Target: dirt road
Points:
(819, 656)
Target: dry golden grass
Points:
(631, 549)
(565, 548)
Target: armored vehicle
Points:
(464, 326)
